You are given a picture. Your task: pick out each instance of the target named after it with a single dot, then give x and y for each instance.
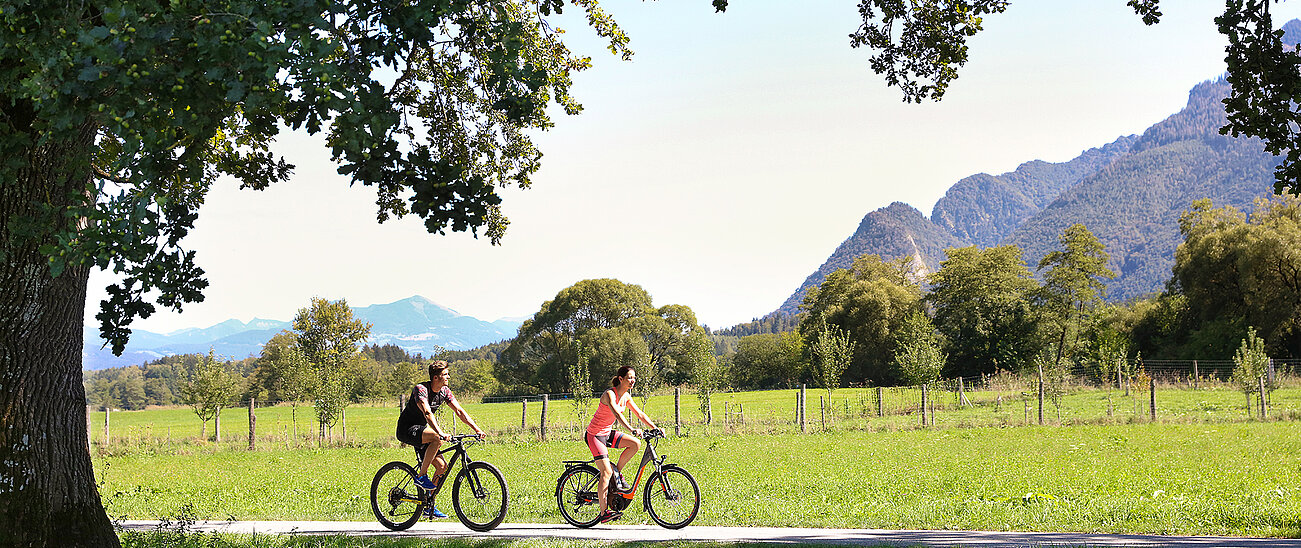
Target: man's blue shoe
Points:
(432, 512)
(424, 482)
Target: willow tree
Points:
(868, 302)
(614, 324)
(116, 116)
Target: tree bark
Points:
(48, 495)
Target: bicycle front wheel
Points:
(672, 497)
(480, 496)
(576, 495)
(394, 497)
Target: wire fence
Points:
(1158, 390)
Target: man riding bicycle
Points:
(418, 427)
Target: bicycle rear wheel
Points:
(672, 498)
(480, 496)
(577, 498)
(394, 497)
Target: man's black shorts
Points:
(411, 434)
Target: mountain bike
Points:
(479, 493)
(671, 498)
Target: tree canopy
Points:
(144, 103)
(612, 324)
(1073, 286)
(869, 302)
(982, 307)
(1237, 271)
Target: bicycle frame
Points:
(648, 456)
(459, 455)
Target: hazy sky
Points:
(718, 168)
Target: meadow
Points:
(1100, 464)
(1172, 478)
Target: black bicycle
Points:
(479, 493)
(671, 497)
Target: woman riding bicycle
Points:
(601, 437)
(418, 427)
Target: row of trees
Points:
(981, 312)
(985, 310)
(1232, 272)
(377, 372)
(318, 361)
(880, 322)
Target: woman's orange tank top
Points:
(601, 421)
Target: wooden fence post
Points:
(932, 402)
(677, 410)
(524, 414)
(1152, 399)
(1196, 377)
(542, 422)
(1041, 395)
(923, 405)
(803, 424)
(880, 401)
(343, 423)
(1261, 381)
(252, 424)
(107, 410)
(822, 403)
(216, 426)
(741, 409)
(962, 394)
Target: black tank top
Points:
(411, 415)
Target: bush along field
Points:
(1175, 477)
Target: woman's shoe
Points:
(620, 484)
(609, 515)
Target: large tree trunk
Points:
(47, 485)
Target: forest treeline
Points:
(881, 321)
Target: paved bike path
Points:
(786, 535)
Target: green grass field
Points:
(1221, 478)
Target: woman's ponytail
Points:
(619, 375)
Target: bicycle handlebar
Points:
(462, 437)
(653, 433)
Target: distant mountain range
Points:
(416, 324)
(1129, 193)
